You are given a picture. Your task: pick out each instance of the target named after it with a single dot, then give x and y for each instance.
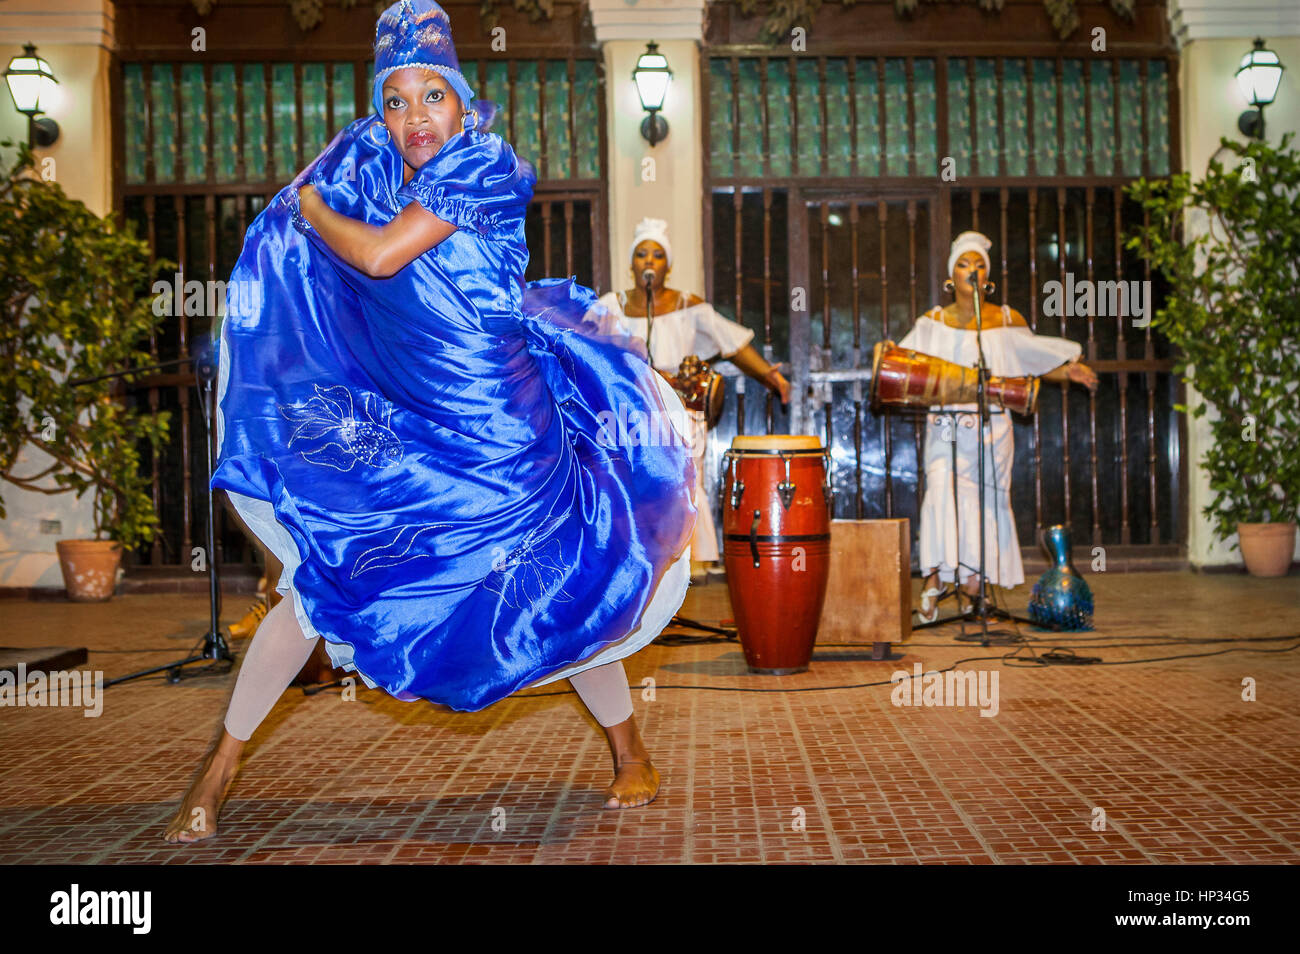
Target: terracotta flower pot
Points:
(89, 568)
(1267, 547)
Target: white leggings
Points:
(279, 650)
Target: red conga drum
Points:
(776, 546)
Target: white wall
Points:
(676, 192)
(1211, 103)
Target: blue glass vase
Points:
(1061, 599)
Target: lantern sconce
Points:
(652, 76)
(31, 83)
(1258, 78)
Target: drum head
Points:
(776, 442)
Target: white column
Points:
(75, 37)
(1214, 35)
(671, 186)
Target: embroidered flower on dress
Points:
(338, 435)
(532, 569)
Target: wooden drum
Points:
(776, 546)
(903, 378)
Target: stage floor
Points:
(1184, 769)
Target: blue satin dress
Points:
(433, 456)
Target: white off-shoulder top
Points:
(1011, 351)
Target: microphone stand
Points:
(982, 608)
(216, 651)
(677, 620)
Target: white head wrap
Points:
(654, 229)
(971, 242)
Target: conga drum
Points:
(776, 546)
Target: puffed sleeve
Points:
(475, 182)
(1023, 353)
(715, 334)
(914, 340)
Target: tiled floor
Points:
(1183, 768)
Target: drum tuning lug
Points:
(737, 490)
(785, 488)
(753, 536)
(786, 491)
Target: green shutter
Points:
(315, 111)
(898, 131)
(586, 118)
(1044, 133)
(1015, 117)
(1103, 133)
(163, 101)
(284, 115)
(1073, 92)
(225, 123)
(134, 122)
(988, 134)
(255, 138)
(959, 118)
(867, 103)
(721, 120)
(925, 131)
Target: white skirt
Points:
(949, 532)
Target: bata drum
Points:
(699, 387)
(903, 378)
(776, 530)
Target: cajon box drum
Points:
(869, 594)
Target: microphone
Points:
(648, 276)
(206, 361)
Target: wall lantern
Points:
(1258, 78)
(31, 84)
(652, 76)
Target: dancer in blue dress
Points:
(425, 441)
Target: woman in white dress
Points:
(683, 325)
(949, 532)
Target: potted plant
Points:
(74, 304)
(1229, 245)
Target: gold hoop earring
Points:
(948, 286)
(387, 135)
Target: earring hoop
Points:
(387, 136)
(989, 288)
(948, 286)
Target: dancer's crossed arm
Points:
(380, 251)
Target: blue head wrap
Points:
(418, 33)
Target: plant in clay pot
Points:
(74, 304)
(1229, 245)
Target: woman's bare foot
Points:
(196, 819)
(636, 780)
(635, 783)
